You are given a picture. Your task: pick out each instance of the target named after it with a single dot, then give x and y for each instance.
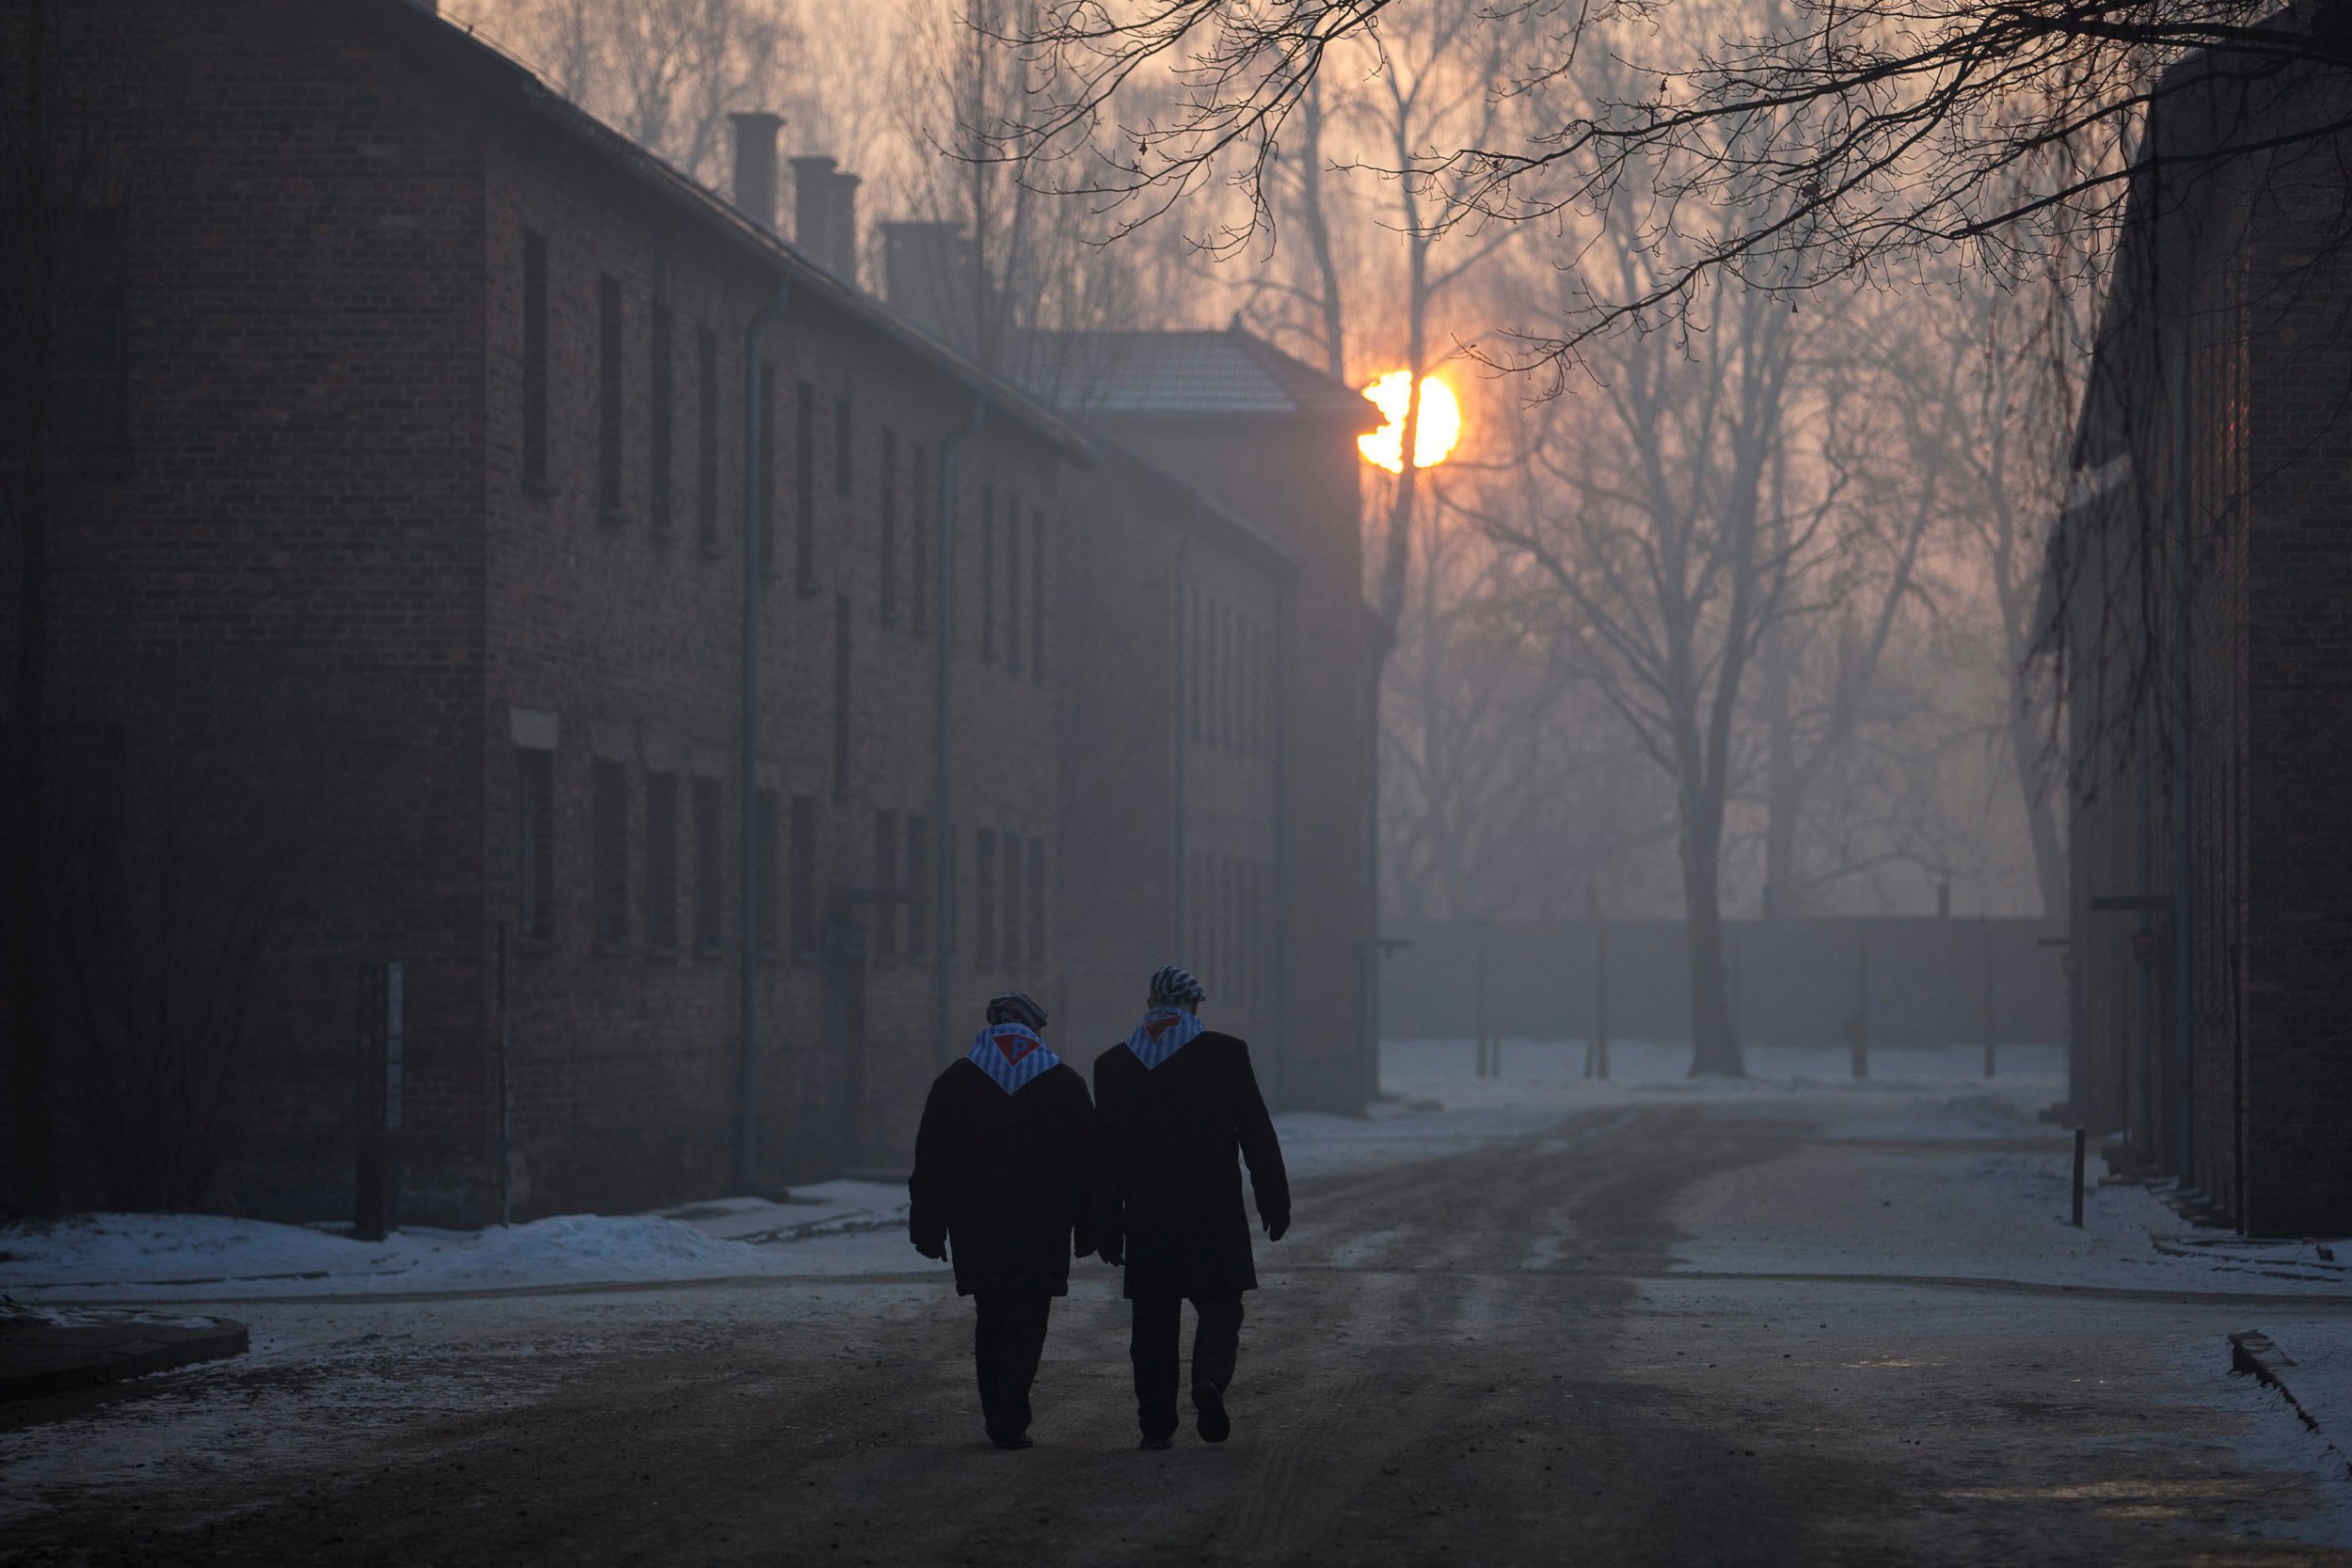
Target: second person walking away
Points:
(1173, 1106)
(1000, 1184)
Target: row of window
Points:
(660, 847)
(1012, 599)
(1229, 907)
(1228, 679)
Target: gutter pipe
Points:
(747, 749)
(943, 788)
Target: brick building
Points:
(1223, 555)
(417, 502)
(433, 471)
(2198, 578)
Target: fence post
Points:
(1861, 1042)
(1990, 1065)
(1482, 999)
(1600, 994)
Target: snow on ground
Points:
(2320, 1379)
(1925, 1169)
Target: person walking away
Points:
(1000, 1185)
(1173, 1104)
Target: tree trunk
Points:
(1782, 787)
(1714, 1049)
(2026, 739)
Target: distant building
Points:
(431, 481)
(1224, 557)
(2200, 578)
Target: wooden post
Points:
(1861, 1042)
(2078, 1177)
(1990, 1064)
(1600, 1001)
(1483, 1070)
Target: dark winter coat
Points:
(1166, 1183)
(1001, 1179)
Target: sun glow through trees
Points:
(1440, 423)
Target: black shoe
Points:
(1024, 1441)
(1216, 1426)
(1161, 1442)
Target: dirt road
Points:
(1477, 1360)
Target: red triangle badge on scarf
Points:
(1015, 1043)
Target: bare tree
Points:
(1649, 522)
(1877, 129)
(1820, 665)
(665, 73)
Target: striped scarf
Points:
(1012, 1055)
(1163, 1032)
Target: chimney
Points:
(824, 215)
(756, 167)
(844, 261)
(927, 276)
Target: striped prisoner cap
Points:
(1017, 1007)
(1173, 988)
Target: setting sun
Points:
(1440, 423)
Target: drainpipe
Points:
(747, 751)
(943, 791)
(1180, 904)
(2185, 1086)
(1283, 605)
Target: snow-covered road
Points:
(1867, 1293)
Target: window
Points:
(1014, 629)
(661, 859)
(889, 544)
(707, 440)
(841, 699)
(767, 470)
(987, 574)
(658, 499)
(1037, 902)
(984, 896)
(802, 871)
(1012, 900)
(534, 359)
(804, 489)
(1196, 685)
(886, 882)
(608, 399)
(764, 907)
(534, 906)
(87, 314)
(843, 448)
(918, 886)
(610, 808)
(709, 866)
(919, 537)
(1037, 596)
(1229, 680)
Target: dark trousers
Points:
(1157, 1327)
(1007, 1336)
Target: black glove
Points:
(1113, 1252)
(931, 1245)
(1276, 1226)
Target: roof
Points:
(1182, 372)
(1200, 508)
(499, 74)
